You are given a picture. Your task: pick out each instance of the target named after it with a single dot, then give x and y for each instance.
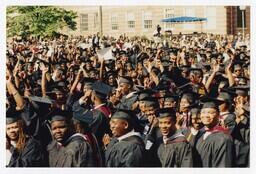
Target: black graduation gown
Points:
(99, 123)
(192, 139)
(30, 156)
(241, 137)
(75, 152)
(216, 150)
(176, 153)
(128, 152)
(150, 139)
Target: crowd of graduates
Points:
(181, 101)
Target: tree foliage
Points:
(38, 20)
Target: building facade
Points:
(142, 20)
(235, 20)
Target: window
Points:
(210, 14)
(147, 20)
(95, 20)
(190, 12)
(114, 22)
(169, 13)
(84, 22)
(130, 20)
(240, 18)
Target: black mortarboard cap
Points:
(170, 97)
(150, 101)
(138, 88)
(123, 114)
(196, 70)
(242, 90)
(187, 89)
(166, 63)
(110, 73)
(145, 94)
(242, 80)
(58, 115)
(44, 100)
(12, 115)
(125, 79)
(101, 88)
(208, 102)
(59, 86)
(166, 112)
(224, 96)
(185, 68)
(88, 81)
(86, 117)
(243, 46)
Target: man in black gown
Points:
(174, 150)
(215, 146)
(126, 148)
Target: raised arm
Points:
(210, 79)
(16, 95)
(44, 70)
(231, 79)
(78, 76)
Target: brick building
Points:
(142, 20)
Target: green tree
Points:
(38, 20)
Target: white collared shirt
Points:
(129, 134)
(96, 107)
(194, 131)
(177, 134)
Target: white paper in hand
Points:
(127, 45)
(105, 53)
(84, 45)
